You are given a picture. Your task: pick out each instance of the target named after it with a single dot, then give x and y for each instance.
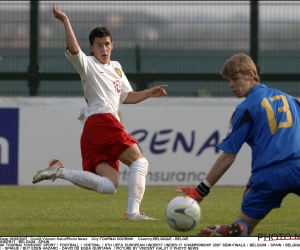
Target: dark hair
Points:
(99, 32)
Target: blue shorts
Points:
(267, 188)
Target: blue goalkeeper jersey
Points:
(268, 121)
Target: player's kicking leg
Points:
(83, 179)
(101, 184)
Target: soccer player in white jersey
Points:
(104, 141)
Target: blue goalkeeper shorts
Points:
(267, 188)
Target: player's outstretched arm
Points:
(136, 97)
(219, 168)
(72, 44)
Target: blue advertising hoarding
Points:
(9, 140)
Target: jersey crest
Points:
(118, 71)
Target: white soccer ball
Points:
(183, 213)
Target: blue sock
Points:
(244, 225)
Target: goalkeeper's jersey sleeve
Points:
(268, 121)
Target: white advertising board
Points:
(176, 135)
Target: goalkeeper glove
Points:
(197, 193)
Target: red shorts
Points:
(103, 139)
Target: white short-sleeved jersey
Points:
(104, 85)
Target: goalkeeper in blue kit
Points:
(268, 120)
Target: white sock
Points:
(87, 180)
(138, 171)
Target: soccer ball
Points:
(183, 213)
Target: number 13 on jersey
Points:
(271, 113)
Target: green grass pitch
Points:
(72, 211)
